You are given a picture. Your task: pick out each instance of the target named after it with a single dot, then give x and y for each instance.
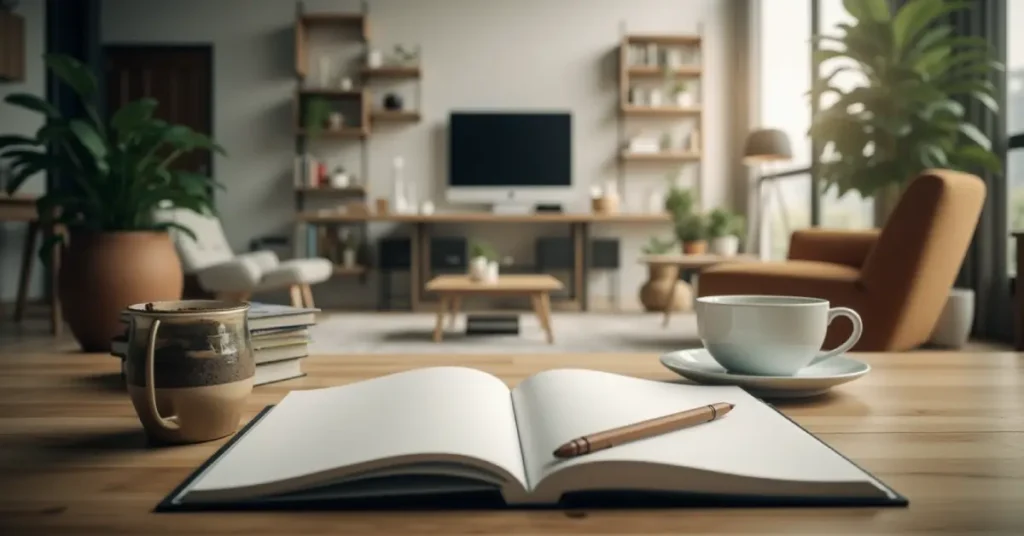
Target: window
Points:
(1015, 124)
(785, 78)
(851, 211)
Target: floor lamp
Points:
(763, 146)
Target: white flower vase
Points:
(726, 246)
(492, 272)
(684, 99)
(478, 268)
(348, 258)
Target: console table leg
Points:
(442, 308)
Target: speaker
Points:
(604, 253)
(394, 253)
(448, 253)
(554, 253)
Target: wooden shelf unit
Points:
(341, 133)
(687, 67)
(392, 71)
(331, 191)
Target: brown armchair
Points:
(897, 278)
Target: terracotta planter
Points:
(658, 289)
(695, 247)
(103, 273)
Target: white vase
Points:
(726, 246)
(492, 272)
(374, 59)
(953, 327)
(348, 258)
(654, 99)
(684, 99)
(478, 268)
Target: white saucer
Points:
(698, 365)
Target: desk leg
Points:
(455, 305)
(1019, 290)
(28, 253)
(579, 232)
(442, 308)
(414, 266)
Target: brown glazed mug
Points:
(189, 368)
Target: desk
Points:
(579, 232)
(22, 208)
(945, 429)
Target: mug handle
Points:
(150, 385)
(858, 329)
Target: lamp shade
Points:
(766, 145)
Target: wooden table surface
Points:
(512, 283)
(690, 262)
(944, 429)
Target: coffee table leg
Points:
(456, 303)
(442, 307)
(542, 307)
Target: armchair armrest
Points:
(236, 275)
(265, 260)
(848, 248)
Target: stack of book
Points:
(278, 334)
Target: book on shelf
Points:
(450, 435)
(308, 172)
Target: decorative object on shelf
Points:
(374, 59)
(724, 229)
(673, 58)
(682, 94)
(427, 208)
(324, 71)
(340, 178)
(345, 84)
(644, 144)
(913, 68)
(118, 253)
(481, 255)
(604, 200)
(655, 98)
(493, 271)
(637, 96)
(317, 110)
(350, 246)
(335, 120)
(382, 205)
(651, 55)
(393, 102)
(398, 200)
(406, 56)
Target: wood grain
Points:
(945, 429)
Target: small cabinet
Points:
(12, 47)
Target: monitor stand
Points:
(512, 208)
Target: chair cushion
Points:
(298, 272)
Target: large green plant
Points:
(906, 112)
(120, 170)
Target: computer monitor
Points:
(510, 159)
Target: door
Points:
(180, 78)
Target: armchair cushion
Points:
(266, 260)
(849, 248)
(236, 275)
(297, 272)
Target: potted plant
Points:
(349, 248)
(914, 77)
(481, 258)
(316, 116)
(724, 229)
(116, 250)
(691, 230)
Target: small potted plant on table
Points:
(724, 229)
(483, 262)
(691, 230)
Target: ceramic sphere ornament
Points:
(392, 101)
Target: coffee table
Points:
(451, 289)
(690, 262)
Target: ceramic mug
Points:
(189, 368)
(769, 335)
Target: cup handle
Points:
(858, 329)
(150, 385)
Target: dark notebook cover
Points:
(489, 500)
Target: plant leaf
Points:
(73, 73)
(975, 135)
(132, 116)
(32, 102)
(92, 141)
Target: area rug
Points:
(411, 333)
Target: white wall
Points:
(527, 54)
(18, 121)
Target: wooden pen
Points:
(642, 430)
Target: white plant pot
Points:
(953, 328)
(478, 268)
(492, 272)
(684, 99)
(348, 258)
(726, 246)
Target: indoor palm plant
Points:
(116, 250)
(906, 110)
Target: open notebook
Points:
(459, 431)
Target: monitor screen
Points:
(510, 149)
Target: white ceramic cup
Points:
(769, 335)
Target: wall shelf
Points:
(328, 92)
(328, 190)
(669, 40)
(391, 72)
(399, 116)
(667, 157)
(351, 132)
(663, 111)
(656, 72)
